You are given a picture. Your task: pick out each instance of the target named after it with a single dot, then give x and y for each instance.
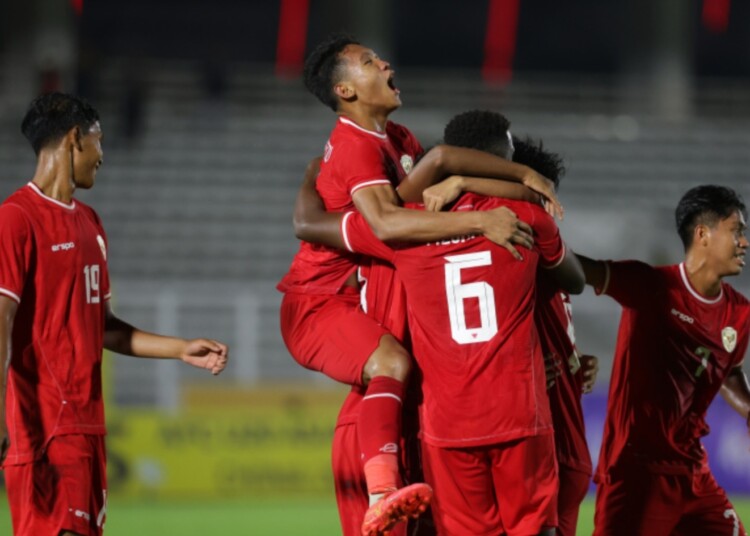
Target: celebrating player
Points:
(683, 336)
(365, 157)
(491, 123)
(572, 373)
(55, 319)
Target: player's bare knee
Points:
(389, 359)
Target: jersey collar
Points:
(695, 293)
(380, 135)
(41, 194)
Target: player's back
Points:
(471, 322)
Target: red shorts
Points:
(508, 488)
(574, 485)
(330, 334)
(66, 490)
(649, 504)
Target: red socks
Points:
(379, 433)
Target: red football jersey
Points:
(354, 158)
(554, 321)
(54, 264)
(674, 350)
(470, 306)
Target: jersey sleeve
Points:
(16, 242)
(361, 165)
(359, 237)
(547, 239)
(629, 282)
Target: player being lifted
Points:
(683, 336)
(55, 319)
(365, 158)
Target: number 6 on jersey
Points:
(458, 293)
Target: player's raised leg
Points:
(379, 435)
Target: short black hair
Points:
(479, 129)
(533, 154)
(322, 71)
(50, 116)
(705, 205)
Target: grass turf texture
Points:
(275, 517)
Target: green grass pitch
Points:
(253, 517)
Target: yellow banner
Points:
(270, 442)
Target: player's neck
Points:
(701, 276)
(54, 176)
(375, 122)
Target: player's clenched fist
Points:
(207, 354)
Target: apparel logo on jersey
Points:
(327, 151)
(84, 515)
(729, 338)
(65, 246)
(407, 163)
(102, 246)
(389, 448)
(683, 316)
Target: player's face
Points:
(87, 157)
(728, 244)
(368, 78)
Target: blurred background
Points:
(207, 133)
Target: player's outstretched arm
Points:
(595, 271)
(736, 392)
(390, 222)
(441, 194)
(122, 338)
(444, 160)
(8, 308)
(311, 221)
(568, 274)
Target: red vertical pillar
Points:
(500, 41)
(290, 47)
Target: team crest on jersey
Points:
(729, 338)
(407, 163)
(102, 246)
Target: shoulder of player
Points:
(397, 129)
(20, 204)
(734, 296)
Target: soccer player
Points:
(365, 157)
(55, 320)
(569, 374)
(459, 524)
(683, 336)
(572, 373)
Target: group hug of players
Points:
(437, 285)
(451, 323)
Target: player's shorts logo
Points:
(407, 163)
(729, 338)
(102, 246)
